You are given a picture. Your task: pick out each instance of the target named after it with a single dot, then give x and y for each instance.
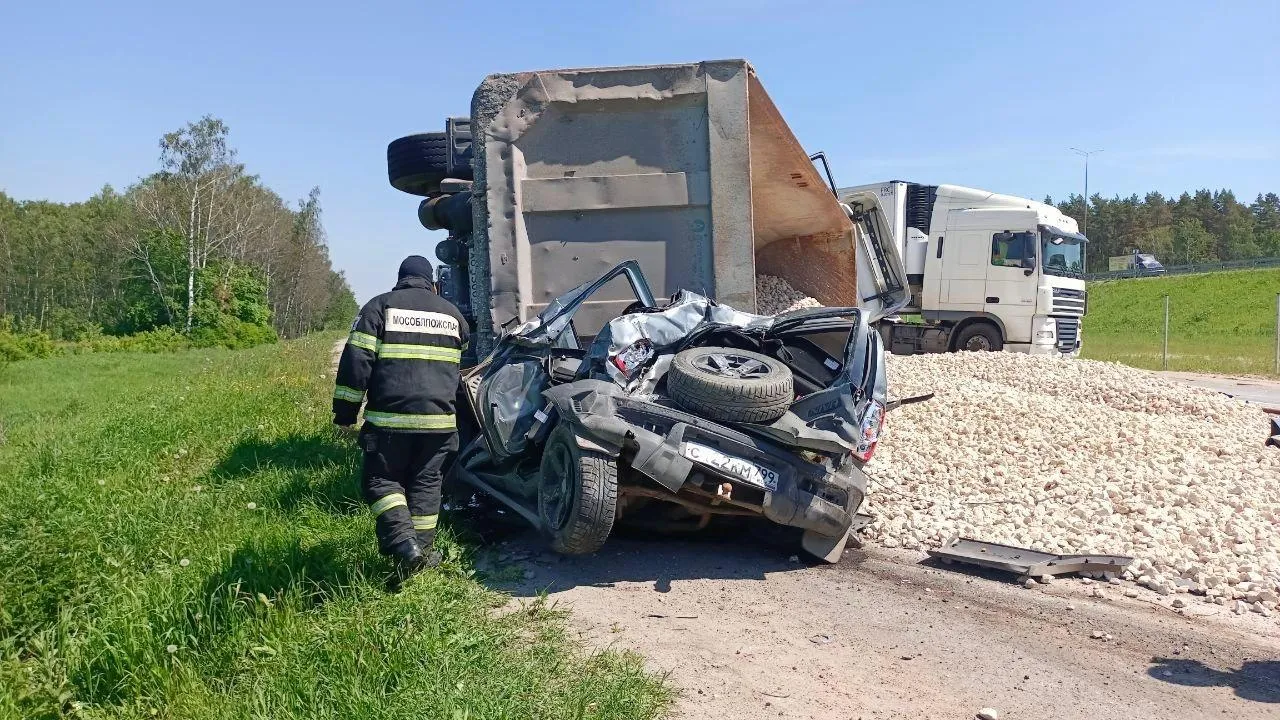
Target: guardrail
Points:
(1187, 269)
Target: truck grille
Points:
(1069, 302)
(1068, 334)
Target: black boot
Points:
(407, 555)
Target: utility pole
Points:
(1084, 226)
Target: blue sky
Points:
(1179, 95)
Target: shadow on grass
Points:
(281, 567)
(294, 452)
(1256, 680)
(224, 620)
(319, 468)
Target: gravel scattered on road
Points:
(1076, 456)
(1080, 456)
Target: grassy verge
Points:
(1218, 322)
(181, 536)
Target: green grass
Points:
(1218, 322)
(136, 580)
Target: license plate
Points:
(744, 470)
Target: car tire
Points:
(417, 163)
(980, 337)
(577, 494)
(730, 385)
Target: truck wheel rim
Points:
(557, 491)
(729, 365)
(978, 342)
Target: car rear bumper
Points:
(811, 496)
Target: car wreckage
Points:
(687, 406)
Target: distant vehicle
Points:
(1144, 263)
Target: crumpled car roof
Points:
(668, 327)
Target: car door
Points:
(964, 272)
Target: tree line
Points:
(200, 247)
(1193, 228)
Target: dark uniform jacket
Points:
(403, 352)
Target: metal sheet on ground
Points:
(1025, 561)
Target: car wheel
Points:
(730, 385)
(980, 337)
(577, 494)
(417, 163)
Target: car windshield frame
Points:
(1048, 236)
(555, 318)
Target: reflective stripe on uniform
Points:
(393, 351)
(342, 392)
(403, 421)
(386, 502)
(425, 522)
(363, 340)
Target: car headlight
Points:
(869, 430)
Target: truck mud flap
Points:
(1024, 561)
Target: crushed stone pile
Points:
(1082, 456)
(775, 296)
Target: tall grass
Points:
(181, 537)
(1218, 322)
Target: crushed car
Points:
(688, 406)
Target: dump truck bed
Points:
(688, 168)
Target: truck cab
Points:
(986, 271)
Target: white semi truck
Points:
(982, 271)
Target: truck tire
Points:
(577, 494)
(730, 385)
(417, 163)
(980, 337)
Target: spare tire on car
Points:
(730, 385)
(417, 163)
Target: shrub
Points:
(232, 333)
(70, 326)
(17, 343)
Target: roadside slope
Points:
(1218, 322)
(181, 535)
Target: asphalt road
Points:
(1254, 390)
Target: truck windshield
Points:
(1062, 256)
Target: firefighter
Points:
(403, 354)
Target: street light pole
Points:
(1084, 226)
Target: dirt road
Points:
(746, 633)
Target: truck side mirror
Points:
(1028, 265)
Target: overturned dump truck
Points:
(574, 199)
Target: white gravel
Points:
(1075, 456)
(775, 296)
(1080, 456)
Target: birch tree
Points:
(202, 195)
